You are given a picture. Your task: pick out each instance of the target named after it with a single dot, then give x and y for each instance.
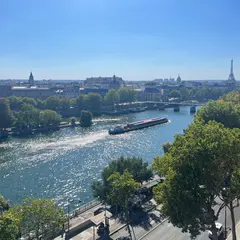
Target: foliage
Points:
(184, 94)
(195, 168)
(27, 116)
(73, 121)
(15, 102)
(30, 101)
(49, 117)
(80, 102)
(232, 97)
(166, 147)
(93, 101)
(112, 97)
(53, 103)
(226, 113)
(175, 94)
(135, 166)
(5, 114)
(122, 187)
(9, 226)
(4, 204)
(39, 216)
(86, 119)
(41, 104)
(65, 103)
(127, 95)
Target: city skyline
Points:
(137, 40)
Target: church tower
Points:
(31, 80)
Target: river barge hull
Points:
(137, 125)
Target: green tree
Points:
(127, 95)
(122, 188)
(226, 113)
(65, 103)
(41, 104)
(150, 84)
(175, 94)
(30, 101)
(81, 102)
(49, 117)
(86, 119)
(195, 168)
(232, 97)
(93, 102)
(5, 114)
(9, 226)
(15, 102)
(134, 165)
(53, 103)
(4, 204)
(166, 147)
(41, 216)
(112, 97)
(27, 116)
(123, 94)
(184, 94)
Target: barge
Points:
(137, 125)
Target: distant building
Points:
(104, 82)
(152, 94)
(32, 92)
(179, 80)
(31, 80)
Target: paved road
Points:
(166, 231)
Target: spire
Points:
(31, 79)
(231, 72)
(231, 78)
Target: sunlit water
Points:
(63, 164)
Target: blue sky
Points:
(135, 39)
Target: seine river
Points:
(63, 164)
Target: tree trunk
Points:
(234, 236)
(128, 227)
(214, 231)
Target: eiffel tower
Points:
(231, 75)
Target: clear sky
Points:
(135, 39)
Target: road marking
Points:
(171, 237)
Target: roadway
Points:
(166, 231)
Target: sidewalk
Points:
(237, 231)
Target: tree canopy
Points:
(86, 119)
(112, 97)
(27, 116)
(5, 114)
(135, 166)
(93, 102)
(122, 187)
(49, 117)
(126, 95)
(53, 103)
(175, 94)
(195, 168)
(226, 113)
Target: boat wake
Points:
(67, 143)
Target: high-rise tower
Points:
(231, 79)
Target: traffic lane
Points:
(167, 231)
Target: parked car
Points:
(220, 231)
